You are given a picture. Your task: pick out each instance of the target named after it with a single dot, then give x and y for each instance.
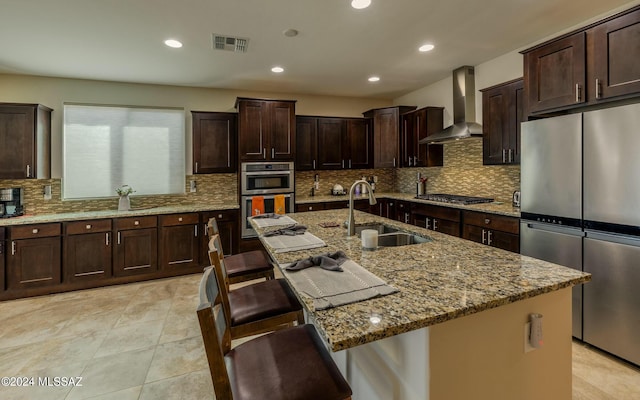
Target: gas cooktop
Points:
(454, 199)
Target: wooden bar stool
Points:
(256, 308)
(244, 266)
(289, 364)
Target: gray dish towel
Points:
(289, 230)
(328, 261)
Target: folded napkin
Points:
(267, 215)
(289, 230)
(328, 261)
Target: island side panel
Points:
(481, 356)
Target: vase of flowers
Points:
(124, 204)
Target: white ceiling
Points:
(337, 49)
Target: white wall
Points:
(54, 92)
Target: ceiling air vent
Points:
(230, 43)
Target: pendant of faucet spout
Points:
(351, 225)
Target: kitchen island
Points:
(456, 327)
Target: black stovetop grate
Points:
(454, 198)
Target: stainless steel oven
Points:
(267, 178)
(247, 231)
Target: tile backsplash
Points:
(304, 180)
(211, 189)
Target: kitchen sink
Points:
(400, 239)
(381, 228)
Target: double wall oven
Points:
(265, 179)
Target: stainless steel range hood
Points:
(464, 110)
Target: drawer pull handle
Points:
(35, 230)
(487, 221)
(106, 239)
(219, 216)
(88, 226)
(180, 219)
(136, 222)
(196, 230)
(13, 248)
(489, 237)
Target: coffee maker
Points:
(11, 202)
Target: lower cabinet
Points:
(403, 211)
(437, 218)
(229, 235)
(179, 241)
(34, 259)
(3, 246)
(493, 230)
(385, 208)
(136, 248)
(87, 250)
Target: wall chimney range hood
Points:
(464, 110)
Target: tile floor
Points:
(142, 341)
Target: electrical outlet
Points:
(47, 192)
(527, 334)
(192, 186)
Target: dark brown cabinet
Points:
(385, 208)
(403, 211)
(3, 245)
(310, 207)
(214, 142)
(386, 135)
(87, 250)
(179, 241)
(437, 218)
(266, 129)
(493, 230)
(417, 125)
(327, 143)
(25, 141)
(502, 113)
(229, 235)
(34, 259)
(590, 65)
(136, 249)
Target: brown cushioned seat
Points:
(248, 262)
(260, 301)
(292, 364)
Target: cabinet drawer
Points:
(493, 221)
(337, 205)
(92, 226)
(222, 215)
(310, 207)
(451, 214)
(35, 231)
(135, 223)
(179, 219)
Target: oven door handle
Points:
(267, 197)
(262, 173)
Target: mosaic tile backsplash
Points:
(211, 189)
(305, 179)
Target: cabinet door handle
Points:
(342, 164)
(598, 89)
(264, 153)
(426, 223)
(578, 93)
(273, 152)
(206, 230)
(118, 237)
(511, 155)
(409, 160)
(415, 161)
(483, 236)
(406, 218)
(435, 227)
(349, 163)
(13, 247)
(394, 161)
(106, 239)
(504, 156)
(28, 171)
(489, 237)
(196, 167)
(195, 230)
(314, 164)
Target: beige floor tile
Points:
(127, 394)
(177, 358)
(583, 390)
(130, 337)
(113, 373)
(178, 327)
(196, 385)
(145, 310)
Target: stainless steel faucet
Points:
(351, 223)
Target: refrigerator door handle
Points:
(555, 228)
(614, 238)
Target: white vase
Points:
(124, 204)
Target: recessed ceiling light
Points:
(374, 78)
(426, 47)
(360, 4)
(173, 43)
(277, 70)
(290, 32)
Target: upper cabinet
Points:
(25, 141)
(502, 113)
(333, 143)
(214, 142)
(417, 125)
(594, 64)
(386, 135)
(266, 129)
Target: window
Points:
(106, 147)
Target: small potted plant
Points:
(124, 204)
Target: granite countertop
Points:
(441, 280)
(75, 216)
(501, 208)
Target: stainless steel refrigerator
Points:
(580, 207)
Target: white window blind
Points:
(105, 147)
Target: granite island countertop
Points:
(78, 216)
(444, 279)
(501, 208)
